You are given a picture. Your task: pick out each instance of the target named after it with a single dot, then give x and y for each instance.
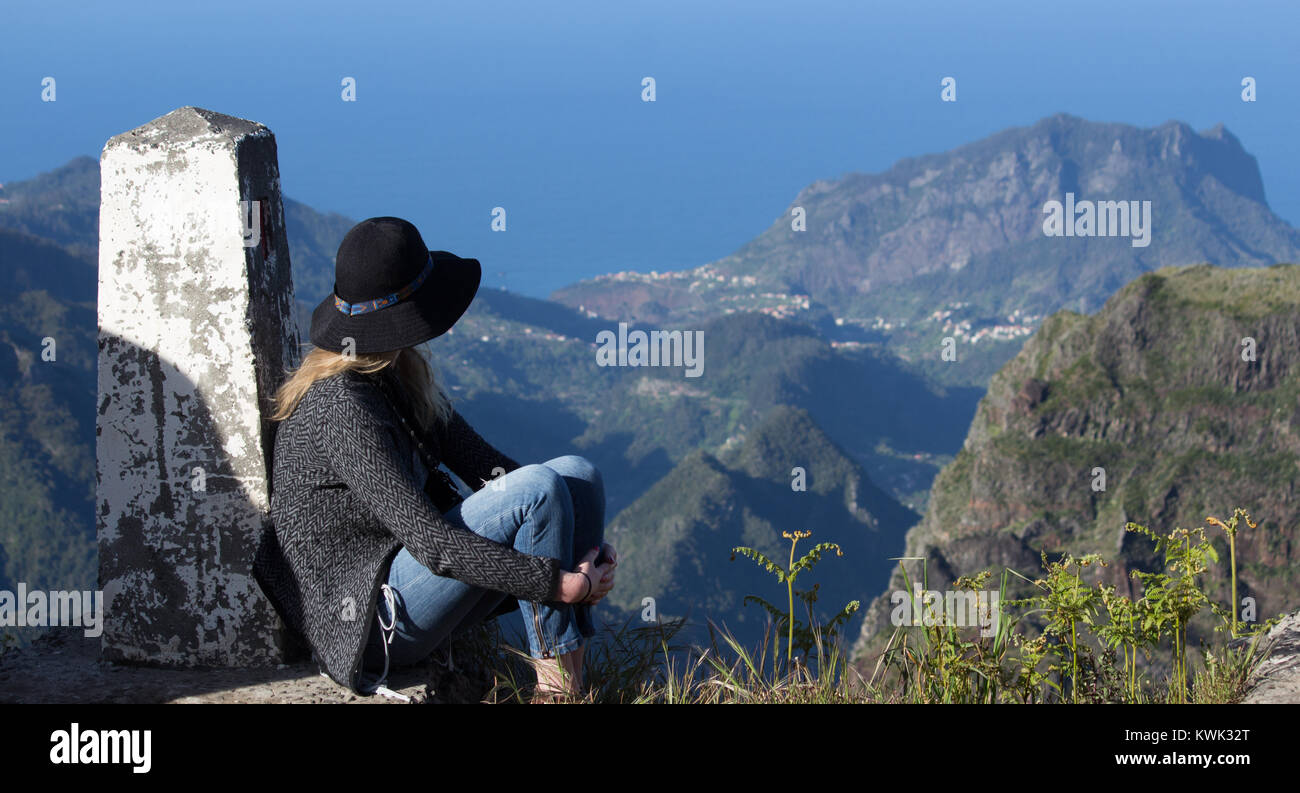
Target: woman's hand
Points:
(574, 587)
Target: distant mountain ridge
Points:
(963, 231)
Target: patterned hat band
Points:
(367, 306)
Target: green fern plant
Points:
(1121, 631)
(809, 633)
(1030, 682)
(1176, 597)
(1066, 603)
(1230, 528)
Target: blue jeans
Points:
(555, 509)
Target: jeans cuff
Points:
(563, 648)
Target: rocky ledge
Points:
(63, 666)
(1277, 680)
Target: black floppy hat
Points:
(390, 291)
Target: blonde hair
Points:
(412, 367)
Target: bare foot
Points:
(559, 678)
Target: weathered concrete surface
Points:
(65, 667)
(1277, 680)
(195, 332)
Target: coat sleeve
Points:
(363, 451)
(469, 456)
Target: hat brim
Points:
(427, 313)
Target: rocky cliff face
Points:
(1277, 680)
(1156, 391)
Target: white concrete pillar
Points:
(195, 330)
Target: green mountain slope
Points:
(47, 415)
(676, 539)
(61, 206)
(1154, 390)
(536, 391)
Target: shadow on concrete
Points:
(224, 525)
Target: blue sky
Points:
(537, 107)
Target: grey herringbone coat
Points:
(348, 491)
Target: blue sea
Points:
(538, 109)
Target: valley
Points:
(824, 351)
